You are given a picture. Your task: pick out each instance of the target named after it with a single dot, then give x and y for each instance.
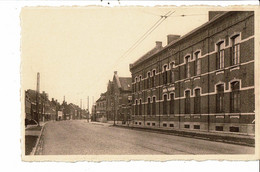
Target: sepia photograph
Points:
(138, 82)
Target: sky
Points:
(77, 49)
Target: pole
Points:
(80, 116)
(114, 111)
(37, 98)
(88, 110)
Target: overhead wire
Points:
(147, 33)
(143, 37)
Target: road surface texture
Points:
(79, 137)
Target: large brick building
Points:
(118, 99)
(203, 80)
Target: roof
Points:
(31, 95)
(153, 52)
(125, 83)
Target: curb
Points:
(38, 141)
(203, 136)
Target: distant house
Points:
(36, 102)
(101, 108)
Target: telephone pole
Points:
(37, 98)
(88, 110)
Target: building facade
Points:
(101, 108)
(118, 99)
(203, 80)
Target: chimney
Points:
(115, 72)
(171, 38)
(213, 14)
(158, 44)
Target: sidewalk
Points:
(100, 123)
(32, 138)
(240, 139)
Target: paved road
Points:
(82, 138)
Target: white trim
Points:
(166, 64)
(214, 51)
(189, 59)
(235, 68)
(199, 53)
(170, 64)
(152, 99)
(218, 42)
(221, 71)
(152, 72)
(239, 34)
(173, 95)
(187, 89)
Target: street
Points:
(78, 137)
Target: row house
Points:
(203, 80)
(119, 99)
(101, 108)
(46, 109)
(72, 111)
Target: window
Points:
(172, 104)
(220, 98)
(148, 80)
(171, 125)
(140, 123)
(136, 107)
(219, 128)
(235, 97)
(220, 55)
(187, 67)
(149, 106)
(172, 72)
(196, 126)
(165, 104)
(186, 126)
(153, 79)
(148, 123)
(153, 124)
(154, 106)
(197, 102)
(164, 125)
(140, 79)
(187, 102)
(198, 63)
(235, 50)
(234, 129)
(165, 74)
(140, 107)
(136, 80)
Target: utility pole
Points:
(80, 109)
(37, 98)
(114, 106)
(88, 110)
